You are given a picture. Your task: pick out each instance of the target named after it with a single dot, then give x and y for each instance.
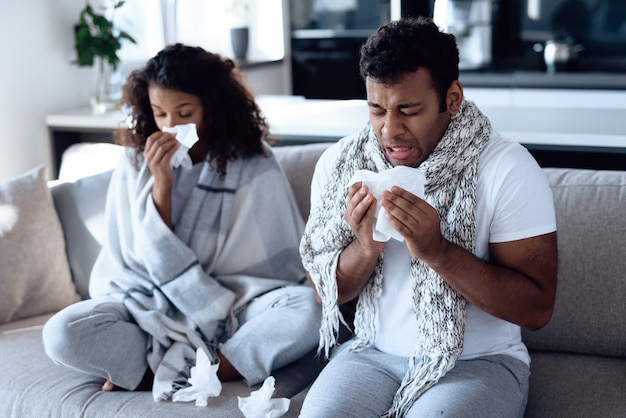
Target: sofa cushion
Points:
(31, 385)
(80, 205)
(564, 385)
(590, 307)
(34, 272)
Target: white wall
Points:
(37, 78)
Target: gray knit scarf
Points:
(451, 172)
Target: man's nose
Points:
(392, 125)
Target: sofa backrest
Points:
(590, 308)
(298, 163)
(80, 206)
(590, 311)
(80, 203)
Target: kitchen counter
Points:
(586, 133)
(558, 80)
(300, 119)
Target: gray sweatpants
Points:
(99, 337)
(362, 384)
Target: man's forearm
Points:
(521, 293)
(354, 270)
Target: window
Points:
(205, 23)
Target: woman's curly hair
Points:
(406, 45)
(233, 124)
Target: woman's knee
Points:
(57, 334)
(71, 327)
(296, 302)
(302, 299)
(306, 312)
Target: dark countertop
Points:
(245, 63)
(528, 79)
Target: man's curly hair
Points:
(233, 123)
(403, 46)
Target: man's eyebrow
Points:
(398, 107)
(408, 105)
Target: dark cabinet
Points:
(327, 68)
(326, 36)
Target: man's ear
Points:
(454, 97)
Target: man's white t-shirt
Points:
(513, 201)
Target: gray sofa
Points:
(578, 359)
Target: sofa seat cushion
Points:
(34, 322)
(567, 385)
(32, 386)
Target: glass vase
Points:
(102, 100)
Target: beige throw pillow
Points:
(34, 273)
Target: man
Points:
(438, 317)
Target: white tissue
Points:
(187, 135)
(408, 178)
(260, 405)
(204, 382)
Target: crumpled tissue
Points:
(260, 405)
(204, 382)
(408, 178)
(187, 135)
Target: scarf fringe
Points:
(331, 314)
(421, 377)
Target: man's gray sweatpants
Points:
(362, 384)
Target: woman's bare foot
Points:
(144, 385)
(226, 372)
(108, 386)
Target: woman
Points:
(200, 256)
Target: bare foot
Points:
(108, 386)
(144, 385)
(226, 371)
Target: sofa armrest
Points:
(86, 159)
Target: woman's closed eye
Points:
(185, 115)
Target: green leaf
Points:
(96, 36)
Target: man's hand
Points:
(417, 222)
(518, 284)
(360, 215)
(358, 259)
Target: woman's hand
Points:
(160, 148)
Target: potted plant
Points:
(239, 31)
(97, 40)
